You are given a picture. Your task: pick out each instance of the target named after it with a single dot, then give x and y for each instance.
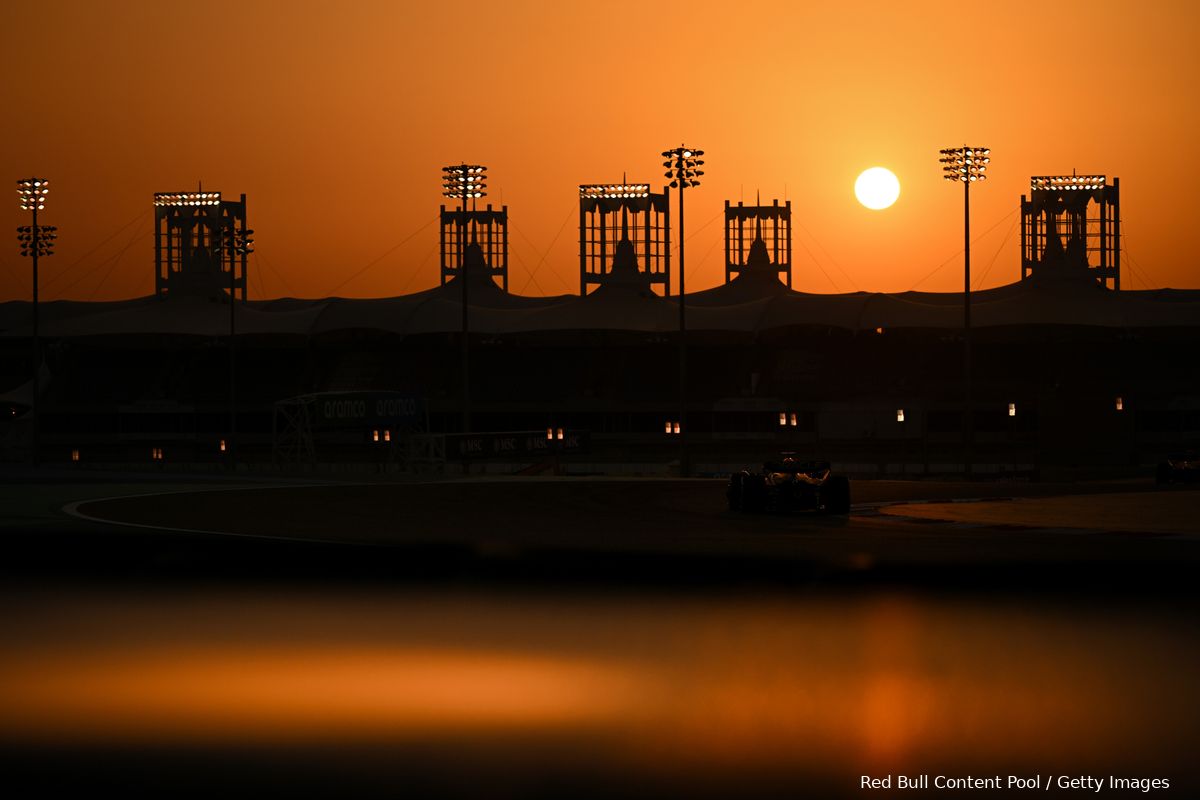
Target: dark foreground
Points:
(590, 638)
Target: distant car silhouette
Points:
(789, 485)
(1179, 468)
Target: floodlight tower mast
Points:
(966, 165)
(683, 168)
(35, 240)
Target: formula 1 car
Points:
(789, 485)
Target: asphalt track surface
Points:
(537, 519)
(555, 638)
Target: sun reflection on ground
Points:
(827, 686)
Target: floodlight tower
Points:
(35, 240)
(464, 182)
(966, 165)
(612, 212)
(193, 244)
(1059, 237)
(770, 249)
(683, 168)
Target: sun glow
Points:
(877, 188)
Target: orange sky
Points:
(336, 118)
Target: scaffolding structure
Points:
(488, 229)
(610, 214)
(1071, 224)
(195, 253)
(772, 226)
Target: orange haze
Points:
(334, 119)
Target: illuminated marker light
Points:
(75, 455)
(221, 446)
(783, 418)
(667, 427)
(792, 419)
(614, 190)
(156, 453)
(1012, 409)
(375, 436)
(1120, 404)
(879, 330)
(387, 435)
(899, 415)
(549, 434)
(559, 434)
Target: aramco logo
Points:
(344, 409)
(362, 407)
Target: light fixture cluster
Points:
(614, 190)
(464, 181)
(243, 242)
(966, 164)
(683, 165)
(32, 193)
(37, 241)
(187, 198)
(1061, 183)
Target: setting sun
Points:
(877, 188)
